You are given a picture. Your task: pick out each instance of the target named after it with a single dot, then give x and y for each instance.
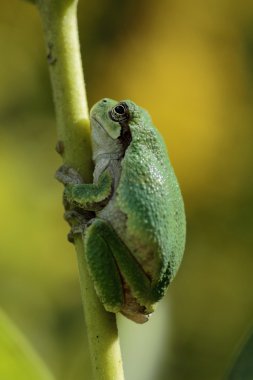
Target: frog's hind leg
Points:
(103, 268)
(120, 282)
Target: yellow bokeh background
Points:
(191, 65)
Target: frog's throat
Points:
(109, 156)
(124, 141)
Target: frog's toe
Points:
(68, 176)
(75, 230)
(79, 222)
(74, 176)
(61, 174)
(75, 217)
(70, 237)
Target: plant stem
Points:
(60, 27)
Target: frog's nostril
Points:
(104, 100)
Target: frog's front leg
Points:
(90, 196)
(119, 280)
(82, 200)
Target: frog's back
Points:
(149, 196)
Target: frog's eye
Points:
(119, 113)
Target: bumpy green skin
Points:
(149, 195)
(135, 245)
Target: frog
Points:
(132, 217)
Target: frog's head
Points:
(109, 127)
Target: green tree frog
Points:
(132, 217)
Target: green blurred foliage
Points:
(243, 366)
(18, 360)
(191, 65)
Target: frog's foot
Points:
(79, 221)
(132, 308)
(68, 176)
(77, 230)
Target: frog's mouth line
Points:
(98, 122)
(101, 126)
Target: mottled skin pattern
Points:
(135, 244)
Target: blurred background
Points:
(191, 65)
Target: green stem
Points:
(60, 27)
